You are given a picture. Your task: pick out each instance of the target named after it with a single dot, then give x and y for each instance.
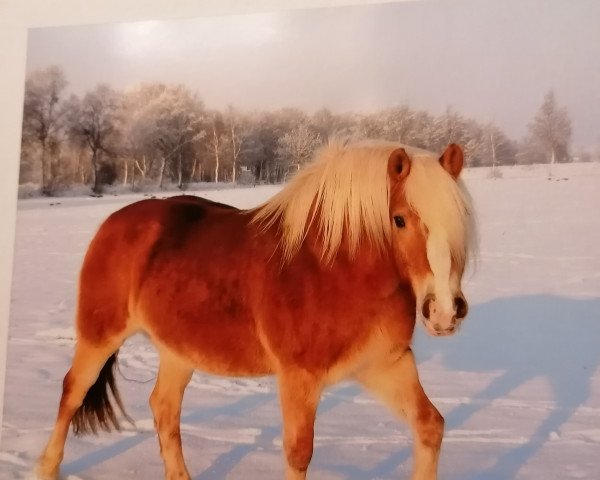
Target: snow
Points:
(519, 385)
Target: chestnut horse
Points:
(321, 283)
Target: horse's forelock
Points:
(442, 204)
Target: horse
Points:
(323, 282)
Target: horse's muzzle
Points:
(441, 321)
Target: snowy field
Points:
(519, 385)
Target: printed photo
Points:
(239, 238)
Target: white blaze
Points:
(438, 255)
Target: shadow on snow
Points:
(524, 337)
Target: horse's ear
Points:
(452, 160)
(398, 165)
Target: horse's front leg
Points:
(396, 382)
(299, 393)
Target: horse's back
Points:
(200, 201)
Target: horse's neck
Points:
(368, 265)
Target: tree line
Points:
(164, 135)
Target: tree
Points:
(368, 126)
(324, 122)
(329, 125)
(265, 130)
(253, 154)
(94, 119)
(398, 124)
(172, 121)
(551, 130)
(41, 114)
(422, 126)
(497, 147)
(446, 129)
(236, 139)
(216, 140)
(137, 122)
(296, 147)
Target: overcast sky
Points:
(490, 60)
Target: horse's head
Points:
(429, 214)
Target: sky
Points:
(489, 60)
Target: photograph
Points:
(350, 242)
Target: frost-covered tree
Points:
(260, 146)
(235, 139)
(473, 142)
(138, 125)
(324, 122)
(216, 141)
(367, 126)
(173, 120)
(93, 119)
(498, 148)
(42, 115)
(398, 124)
(240, 144)
(329, 125)
(446, 129)
(264, 132)
(296, 147)
(158, 132)
(550, 131)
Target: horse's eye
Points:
(399, 222)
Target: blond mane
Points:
(346, 190)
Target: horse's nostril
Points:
(427, 305)
(461, 306)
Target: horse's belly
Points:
(217, 337)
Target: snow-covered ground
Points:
(519, 385)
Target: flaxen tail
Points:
(97, 410)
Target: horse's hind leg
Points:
(88, 362)
(299, 394)
(396, 382)
(165, 401)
